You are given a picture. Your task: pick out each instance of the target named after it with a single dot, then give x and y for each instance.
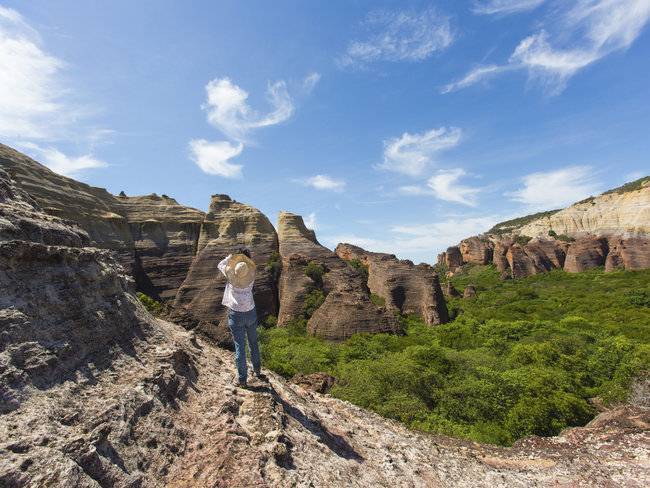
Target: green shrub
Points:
(270, 321)
(377, 300)
(639, 298)
(274, 265)
(522, 240)
(360, 267)
(313, 300)
(315, 272)
(552, 233)
(154, 307)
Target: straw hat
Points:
(240, 271)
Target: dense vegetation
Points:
(507, 225)
(154, 307)
(631, 186)
(522, 357)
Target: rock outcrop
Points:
(154, 237)
(476, 250)
(227, 226)
(165, 237)
(347, 308)
(405, 287)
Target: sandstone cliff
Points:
(406, 288)
(619, 212)
(96, 392)
(227, 226)
(347, 308)
(610, 230)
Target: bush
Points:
(522, 240)
(313, 300)
(315, 272)
(377, 300)
(154, 307)
(360, 267)
(274, 265)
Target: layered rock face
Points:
(92, 209)
(405, 287)
(616, 213)
(227, 226)
(165, 237)
(155, 237)
(347, 308)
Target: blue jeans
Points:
(244, 324)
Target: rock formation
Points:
(611, 230)
(347, 308)
(165, 236)
(227, 226)
(469, 291)
(405, 287)
(155, 237)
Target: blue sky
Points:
(401, 126)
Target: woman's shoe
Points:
(261, 376)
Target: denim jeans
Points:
(244, 324)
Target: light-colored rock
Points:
(621, 214)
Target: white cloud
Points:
(556, 189)
(444, 186)
(228, 108)
(490, 7)
(474, 76)
(574, 38)
(420, 241)
(31, 105)
(213, 157)
(323, 182)
(410, 154)
(60, 163)
(310, 221)
(310, 82)
(399, 36)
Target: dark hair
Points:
(244, 251)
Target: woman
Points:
(239, 271)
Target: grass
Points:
(523, 357)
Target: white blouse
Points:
(237, 299)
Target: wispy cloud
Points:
(421, 241)
(504, 7)
(323, 182)
(214, 157)
(31, 92)
(444, 186)
(310, 82)
(399, 36)
(228, 110)
(411, 154)
(59, 162)
(574, 37)
(555, 189)
(477, 74)
(35, 109)
(310, 221)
